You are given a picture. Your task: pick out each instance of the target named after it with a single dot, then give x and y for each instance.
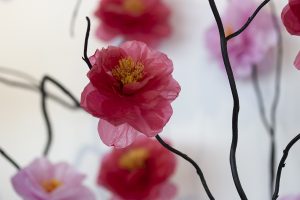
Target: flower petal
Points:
(297, 61)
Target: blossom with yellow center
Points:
(135, 7)
(51, 185)
(128, 71)
(134, 159)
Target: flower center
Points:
(51, 185)
(128, 71)
(228, 30)
(135, 7)
(134, 159)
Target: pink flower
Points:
(143, 20)
(297, 61)
(291, 17)
(131, 90)
(249, 48)
(140, 171)
(291, 198)
(42, 180)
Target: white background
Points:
(34, 37)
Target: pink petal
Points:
(118, 136)
(290, 21)
(297, 61)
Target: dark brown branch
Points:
(86, 43)
(9, 159)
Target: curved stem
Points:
(187, 158)
(251, 18)
(74, 17)
(235, 96)
(86, 43)
(9, 159)
(45, 111)
(282, 165)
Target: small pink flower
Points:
(291, 17)
(140, 171)
(131, 90)
(252, 46)
(297, 61)
(143, 20)
(42, 180)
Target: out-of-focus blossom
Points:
(251, 47)
(297, 61)
(131, 89)
(142, 20)
(297, 197)
(291, 17)
(42, 180)
(140, 171)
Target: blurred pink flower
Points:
(290, 198)
(291, 17)
(131, 90)
(297, 61)
(42, 180)
(143, 20)
(252, 46)
(140, 171)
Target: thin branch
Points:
(187, 158)
(251, 18)
(74, 17)
(86, 43)
(9, 159)
(282, 165)
(236, 106)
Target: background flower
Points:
(143, 20)
(140, 171)
(290, 198)
(251, 47)
(131, 90)
(42, 180)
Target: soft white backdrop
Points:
(34, 37)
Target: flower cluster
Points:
(140, 171)
(131, 89)
(142, 20)
(291, 20)
(42, 180)
(252, 46)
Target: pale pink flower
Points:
(291, 197)
(140, 171)
(131, 89)
(42, 180)
(143, 20)
(253, 46)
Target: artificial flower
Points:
(42, 180)
(131, 89)
(142, 20)
(251, 47)
(140, 171)
(291, 17)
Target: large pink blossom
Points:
(42, 180)
(291, 17)
(131, 89)
(143, 20)
(140, 171)
(253, 46)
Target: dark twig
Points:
(9, 159)
(236, 105)
(187, 158)
(282, 165)
(45, 111)
(86, 43)
(248, 22)
(74, 17)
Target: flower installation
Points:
(131, 172)
(291, 19)
(131, 89)
(246, 50)
(142, 20)
(42, 180)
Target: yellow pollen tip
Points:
(128, 71)
(228, 30)
(135, 7)
(134, 159)
(51, 185)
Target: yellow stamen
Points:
(128, 71)
(51, 185)
(135, 7)
(134, 159)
